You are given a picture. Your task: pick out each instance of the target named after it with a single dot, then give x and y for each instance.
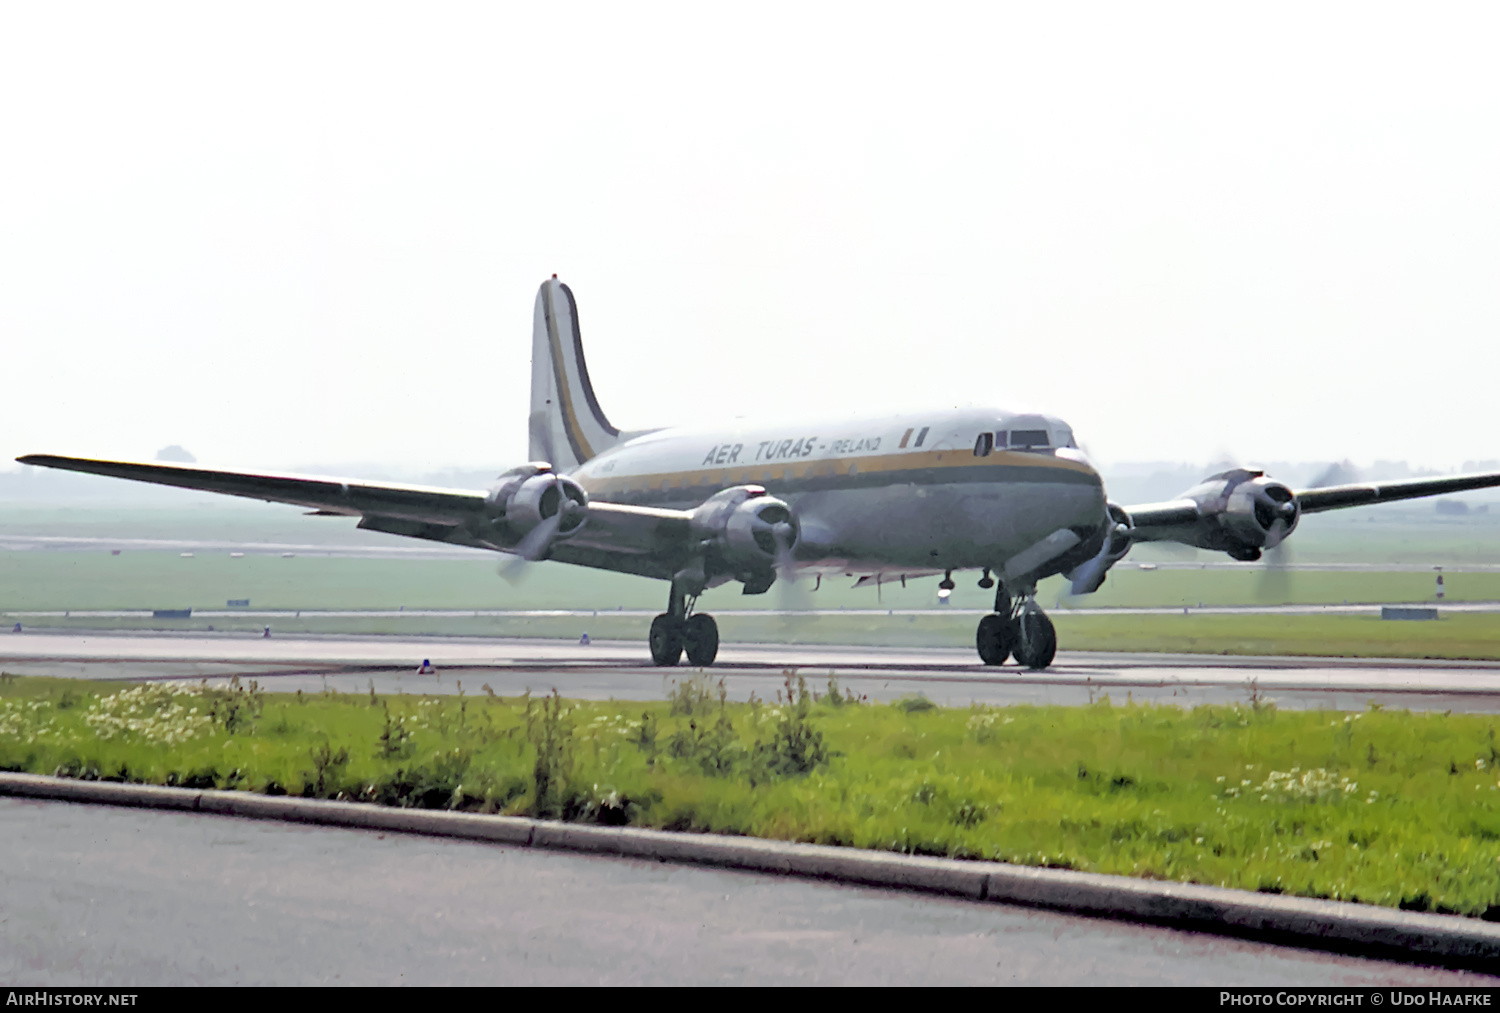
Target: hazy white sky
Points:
(282, 234)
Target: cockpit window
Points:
(1000, 440)
(1027, 439)
(984, 444)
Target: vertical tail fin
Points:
(567, 427)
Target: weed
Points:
(796, 747)
(836, 698)
(551, 735)
(645, 738)
(914, 704)
(328, 766)
(712, 747)
(982, 726)
(235, 707)
(395, 738)
(692, 696)
(970, 814)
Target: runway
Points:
(621, 670)
(270, 616)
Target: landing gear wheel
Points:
(994, 639)
(700, 636)
(1036, 640)
(666, 640)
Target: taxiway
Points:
(621, 670)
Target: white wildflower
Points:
(151, 711)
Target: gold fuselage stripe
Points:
(560, 374)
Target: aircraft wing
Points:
(1152, 518)
(327, 495)
(627, 539)
(1337, 497)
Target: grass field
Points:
(139, 579)
(1399, 533)
(1386, 808)
(58, 580)
(152, 580)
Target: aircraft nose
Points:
(1087, 475)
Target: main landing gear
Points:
(1017, 627)
(679, 630)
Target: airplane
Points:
(883, 498)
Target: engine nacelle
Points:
(1242, 512)
(745, 534)
(524, 497)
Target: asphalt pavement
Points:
(94, 895)
(621, 670)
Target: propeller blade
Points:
(791, 595)
(531, 548)
(539, 539)
(1275, 583)
(1087, 578)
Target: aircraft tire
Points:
(1036, 640)
(700, 638)
(994, 639)
(666, 640)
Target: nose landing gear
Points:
(1017, 627)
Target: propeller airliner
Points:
(893, 497)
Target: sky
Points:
(293, 235)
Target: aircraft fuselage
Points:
(898, 494)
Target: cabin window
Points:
(1027, 439)
(984, 444)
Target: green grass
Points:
(1128, 586)
(1381, 807)
(1459, 636)
(44, 580)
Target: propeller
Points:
(537, 542)
(791, 595)
(1275, 583)
(1087, 577)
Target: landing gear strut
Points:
(680, 629)
(1016, 627)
